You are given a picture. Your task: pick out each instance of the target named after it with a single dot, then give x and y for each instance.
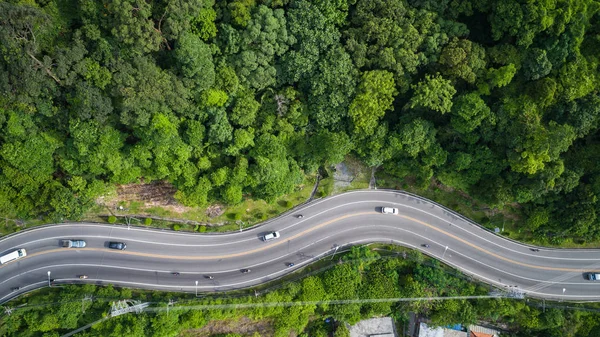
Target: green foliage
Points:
(130, 23)
(375, 95)
(176, 227)
(468, 111)
(264, 38)
(112, 219)
(203, 24)
(147, 221)
(195, 59)
(536, 64)
(434, 93)
(462, 59)
(244, 97)
(240, 11)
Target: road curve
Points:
(350, 218)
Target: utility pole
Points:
(169, 305)
(86, 298)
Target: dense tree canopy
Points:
(242, 97)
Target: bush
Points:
(288, 204)
(176, 227)
(148, 221)
(237, 216)
(202, 229)
(112, 219)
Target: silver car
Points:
(389, 210)
(271, 236)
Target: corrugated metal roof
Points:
(483, 330)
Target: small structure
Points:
(375, 327)
(481, 331)
(453, 331)
(427, 331)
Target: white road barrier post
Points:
(335, 251)
(49, 285)
(196, 288)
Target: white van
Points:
(17, 254)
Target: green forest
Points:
(237, 98)
(364, 274)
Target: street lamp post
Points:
(445, 249)
(49, 285)
(196, 288)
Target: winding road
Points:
(327, 224)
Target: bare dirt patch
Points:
(154, 194)
(214, 211)
(243, 326)
(348, 173)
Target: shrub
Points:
(288, 204)
(112, 219)
(176, 227)
(237, 216)
(148, 221)
(202, 229)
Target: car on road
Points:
(389, 210)
(593, 276)
(15, 288)
(117, 245)
(245, 271)
(271, 236)
(17, 254)
(73, 244)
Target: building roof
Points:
(375, 327)
(480, 334)
(480, 331)
(426, 331)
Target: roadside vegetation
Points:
(360, 274)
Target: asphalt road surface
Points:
(327, 225)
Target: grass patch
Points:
(508, 218)
(325, 187)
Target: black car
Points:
(117, 245)
(15, 288)
(245, 271)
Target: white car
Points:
(593, 276)
(271, 236)
(389, 210)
